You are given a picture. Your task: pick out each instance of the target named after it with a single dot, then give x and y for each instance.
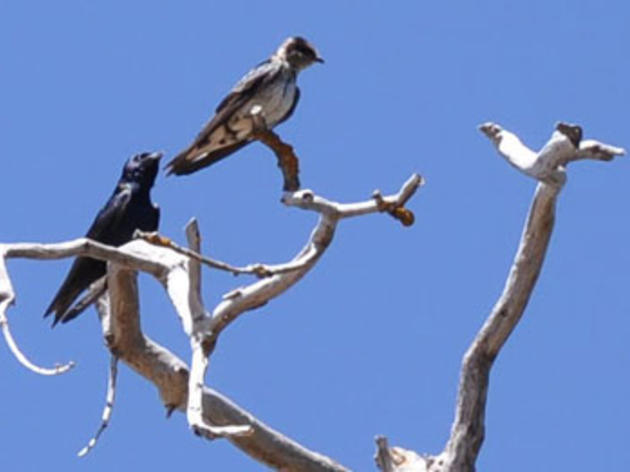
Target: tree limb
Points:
(109, 406)
(259, 270)
(7, 298)
(468, 429)
(547, 166)
(179, 271)
(287, 159)
(257, 294)
(171, 376)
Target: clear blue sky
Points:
(371, 341)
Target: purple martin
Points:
(268, 94)
(129, 208)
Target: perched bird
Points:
(268, 93)
(129, 208)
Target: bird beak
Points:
(319, 59)
(156, 156)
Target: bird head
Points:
(142, 168)
(298, 52)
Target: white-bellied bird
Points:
(267, 95)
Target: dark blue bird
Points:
(268, 94)
(129, 208)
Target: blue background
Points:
(371, 341)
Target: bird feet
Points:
(153, 237)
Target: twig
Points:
(287, 159)
(383, 456)
(591, 149)
(547, 165)
(259, 270)
(194, 410)
(307, 200)
(193, 313)
(109, 405)
(7, 298)
(136, 258)
(22, 359)
(259, 293)
(133, 257)
(397, 459)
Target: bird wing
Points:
(245, 89)
(216, 140)
(296, 99)
(104, 227)
(84, 270)
(155, 218)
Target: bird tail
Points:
(96, 290)
(62, 301)
(84, 271)
(195, 157)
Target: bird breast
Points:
(275, 100)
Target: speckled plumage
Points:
(268, 91)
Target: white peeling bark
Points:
(7, 298)
(171, 376)
(211, 414)
(547, 166)
(179, 270)
(468, 428)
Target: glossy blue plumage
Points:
(129, 208)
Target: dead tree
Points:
(210, 414)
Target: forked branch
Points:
(208, 413)
(547, 166)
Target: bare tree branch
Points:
(179, 270)
(259, 270)
(591, 149)
(109, 406)
(547, 165)
(184, 288)
(467, 432)
(136, 259)
(171, 376)
(208, 413)
(7, 298)
(287, 159)
(397, 459)
(468, 428)
(257, 294)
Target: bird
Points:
(129, 208)
(268, 94)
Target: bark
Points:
(179, 269)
